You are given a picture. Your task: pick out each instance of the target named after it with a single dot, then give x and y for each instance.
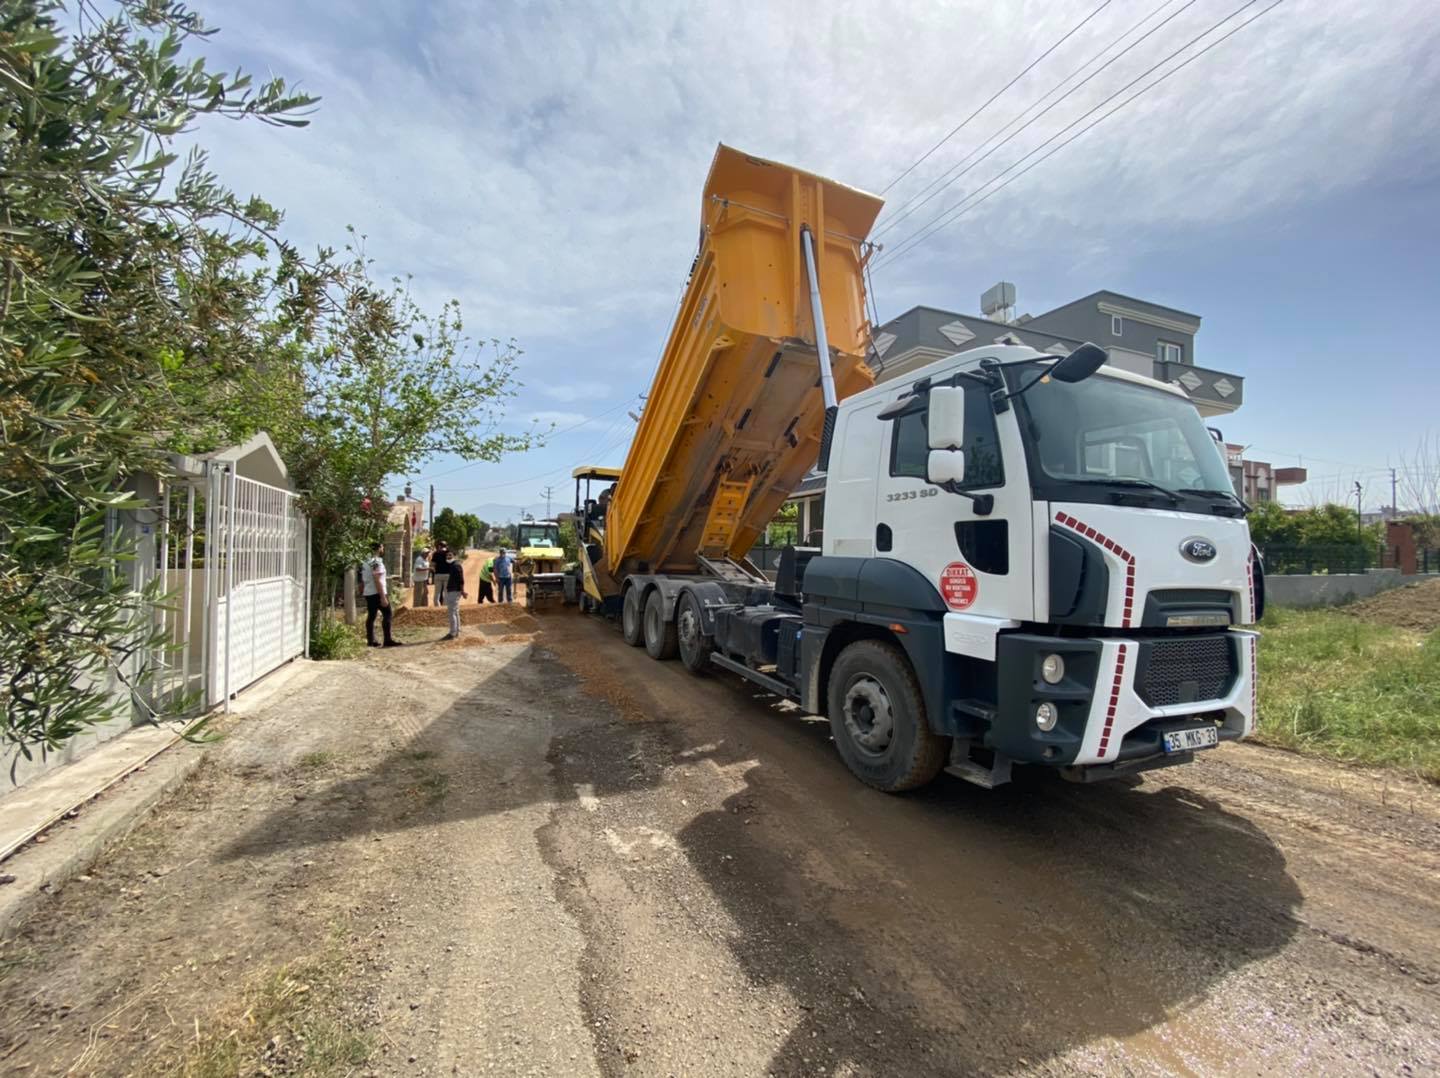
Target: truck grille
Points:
(1185, 670)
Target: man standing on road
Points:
(377, 597)
(422, 577)
(454, 592)
(505, 576)
(487, 582)
(440, 569)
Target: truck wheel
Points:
(660, 640)
(695, 645)
(631, 623)
(877, 716)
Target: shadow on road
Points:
(950, 931)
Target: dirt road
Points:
(554, 856)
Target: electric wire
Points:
(995, 96)
(954, 212)
(950, 176)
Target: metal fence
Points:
(1332, 558)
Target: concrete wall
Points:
(1329, 589)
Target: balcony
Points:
(1214, 392)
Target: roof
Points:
(1106, 293)
(256, 458)
(588, 471)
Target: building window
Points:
(910, 446)
(1117, 325)
(1169, 352)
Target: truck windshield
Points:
(1109, 433)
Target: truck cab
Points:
(1063, 564)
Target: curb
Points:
(40, 869)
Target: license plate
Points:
(1201, 737)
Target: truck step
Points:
(765, 681)
(963, 767)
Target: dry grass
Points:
(289, 1021)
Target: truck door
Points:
(980, 564)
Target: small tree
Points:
(125, 318)
(449, 528)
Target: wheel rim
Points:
(869, 719)
(689, 626)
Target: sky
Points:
(542, 163)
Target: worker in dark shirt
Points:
(454, 592)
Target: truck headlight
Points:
(1052, 669)
(1046, 716)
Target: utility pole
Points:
(1394, 504)
(1359, 512)
(432, 506)
(548, 493)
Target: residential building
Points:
(1143, 337)
(1257, 481)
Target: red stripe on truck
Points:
(1105, 542)
(1114, 701)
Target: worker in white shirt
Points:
(421, 571)
(377, 598)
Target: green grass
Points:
(317, 761)
(1336, 686)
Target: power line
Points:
(959, 209)
(956, 129)
(950, 176)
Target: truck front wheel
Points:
(632, 626)
(877, 716)
(659, 633)
(695, 645)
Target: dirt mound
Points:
(1414, 606)
(470, 614)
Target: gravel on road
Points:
(551, 855)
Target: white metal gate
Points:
(258, 573)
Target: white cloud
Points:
(543, 162)
(558, 419)
(567, 391)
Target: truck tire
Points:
(695, 645)
(660, 642)
(632, 623)
(877, 716)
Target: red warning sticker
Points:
(958, 585)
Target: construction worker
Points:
(421, 572)
(440, 569)
(505, 576)
(487, 582)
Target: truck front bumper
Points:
(1120, 695)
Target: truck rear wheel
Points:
(660, 640)
(695, 645)
(877, 716)
(632, 626)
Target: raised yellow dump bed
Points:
(734, 416)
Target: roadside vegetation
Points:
(331, 638)
(1350, 689)
(145, 310)
(293, 1020)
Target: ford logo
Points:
(1197, 549)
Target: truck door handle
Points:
(884, 539)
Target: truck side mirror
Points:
(945, 466)
(945, 425)
(946, 421)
